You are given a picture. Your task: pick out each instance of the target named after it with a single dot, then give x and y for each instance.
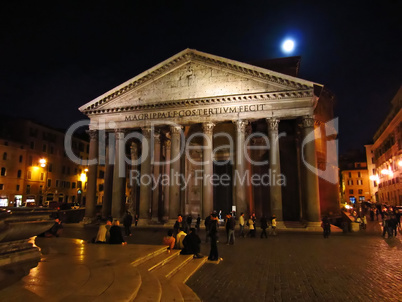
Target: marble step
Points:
(173, 266)
(149, 256)
(170, 291)
(187, 293)
(161, 260)
(150, 290)
(188, 270)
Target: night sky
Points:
(56, 57)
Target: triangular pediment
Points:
(194, 75)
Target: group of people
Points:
(391, 222)
(110, 232)
(251, 223)
(183, 237)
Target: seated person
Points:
(169, 240)
(55, 230)
(116, 236)
(179, 238)
(103, 232)
(192, 244)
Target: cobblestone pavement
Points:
(294, 267)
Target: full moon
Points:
(288, 46)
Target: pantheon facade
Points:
(199, 132)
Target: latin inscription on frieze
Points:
(194, 112)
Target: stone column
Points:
(133, 207)
(108, 185)
(119, 177)
(275, 192)
(310, 179)
(240, 177)
(90, 204)
(174, 193)
(249, 169)
(208, 170)
(156, 172)
(166, 189)
(145, 187)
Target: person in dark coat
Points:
(136, 219)
(264, 226)
(127, 221)
(115, 234)
(192, 244)
(197, 224)
(213, 234)
(177, 225)
(207, 223)
(326, 226)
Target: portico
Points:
(188, 119)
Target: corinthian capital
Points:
(146, 132)
(308, 121)
(208, 128)
(273, 123)
(241, 125)
(119, 133)
(157, 138)
(175, 129)
(93, 134)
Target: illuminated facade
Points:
(355, 185)
(387, 150)
(34, 168)
(198, 116)
(372, 172)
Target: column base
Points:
(88, 220)
(313, 226)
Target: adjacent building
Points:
(35, 169)
(387, 149)
(355, 183)
(372, 173)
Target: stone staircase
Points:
(163, 276)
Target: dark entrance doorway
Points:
(223, 187)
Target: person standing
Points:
(250, 223)
(197, 224)
(136, 219)
(127, 222)
(177, 225)
(207, 224)
(264, 226)
(230, 225)
(241, 224)
(213, 234)
(273, 225)
(326, 226)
